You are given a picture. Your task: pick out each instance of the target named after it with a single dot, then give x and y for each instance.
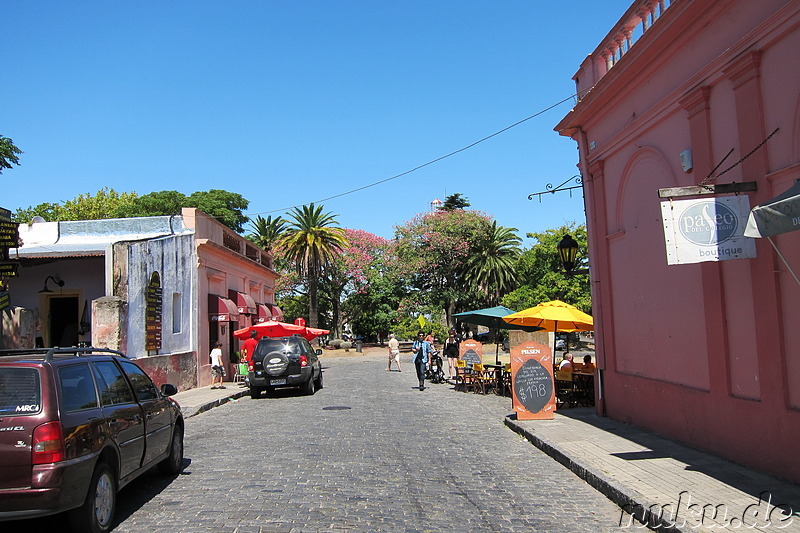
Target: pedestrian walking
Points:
(394, 352)
(421, 350)
(451, 352)
(217, 370)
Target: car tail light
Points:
(303, 361)
(48, 444)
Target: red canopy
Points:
(272, 328)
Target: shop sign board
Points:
(706, 229)
(532, 385)
(153, 308)
(471, 352)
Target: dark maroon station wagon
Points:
(77, 425)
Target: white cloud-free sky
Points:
(292, 102)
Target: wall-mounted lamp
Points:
(56, 279)
(568, 252)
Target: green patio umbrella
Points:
(492, 318)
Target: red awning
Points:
(277, 312)
(264, 314)
(244, 302)
(222, 309)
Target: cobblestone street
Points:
(369, 452)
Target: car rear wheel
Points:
(309, 387)
(97, 512)
(172, 465)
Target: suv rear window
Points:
(293, 345)
(20, 391)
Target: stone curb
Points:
(189, 412)
(625, 497)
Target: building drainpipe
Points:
(583, 148)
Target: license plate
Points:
(277, 382)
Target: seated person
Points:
(588, 366)
(566, 362)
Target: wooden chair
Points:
(463, 375)
(565, 392)
(506, 380)
(483, 380)
(583, 389)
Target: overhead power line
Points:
(432, 161)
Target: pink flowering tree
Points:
(352, 273)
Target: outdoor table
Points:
(498, 376)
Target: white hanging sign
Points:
(706, 229)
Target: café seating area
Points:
(572, 388)
(483, 378)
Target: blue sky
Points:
(292, 102)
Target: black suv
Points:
(284, 362)
(76, 425)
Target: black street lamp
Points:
(568, 252)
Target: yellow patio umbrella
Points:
(553, 316)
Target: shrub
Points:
(347, 345)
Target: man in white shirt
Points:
(566, 362)
(394, 352)
(216, 366)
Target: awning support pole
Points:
(784, 260)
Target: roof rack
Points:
(50, 352)
(80, 351)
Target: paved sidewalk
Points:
(661, 482)
(195, 401)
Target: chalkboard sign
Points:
(533, 385)
(532, 381)
(471, 352)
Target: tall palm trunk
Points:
(313, 301)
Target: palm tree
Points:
(311, 241)
(267, 231)
(491, 263)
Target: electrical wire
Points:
(432, 161)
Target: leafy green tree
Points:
(106, 203)
(49, 212)
(541, 275)
(226, 207)
(267, 231)
(8, 153)
(164, 203)
(311, 241)
(491, 262)
(454, 201)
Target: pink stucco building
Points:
(707, 353)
